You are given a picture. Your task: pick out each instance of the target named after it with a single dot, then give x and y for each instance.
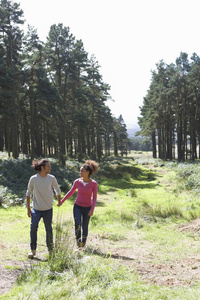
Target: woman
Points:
(85, 201)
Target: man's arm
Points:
(28, 201)
(59, 200)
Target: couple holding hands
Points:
(42, 186)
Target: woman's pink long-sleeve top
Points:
(84, 196)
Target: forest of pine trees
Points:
(170, 114)
(52, 96)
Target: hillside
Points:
(132, 129)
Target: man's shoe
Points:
(83, 244)
(32, 253)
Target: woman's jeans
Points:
(47, 216)
(81, 219)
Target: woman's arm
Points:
(94, 201)
(71, 192)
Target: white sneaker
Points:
(32, 253)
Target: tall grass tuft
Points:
(132, 193)
(193, 215)
(127, 216)
(61, 257)
(161, 212)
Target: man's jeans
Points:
(81, 219)
(47, 216)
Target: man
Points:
(41, 186)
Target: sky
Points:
(127, 37)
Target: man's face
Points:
(47, 168)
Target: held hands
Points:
(59, 203)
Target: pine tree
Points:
(11, 16)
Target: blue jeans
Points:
(81, 219)
(47, 216)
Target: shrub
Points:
(15, 173)
(117, 171)
(127, 176)
(151, 175)
(3, 193)
(150, 161)
(185, 170)
(132, 193)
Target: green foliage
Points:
(172, 101)
(61, 257)
(115, 170)
(127, 176)
(92, 280)
(188, 174)
(78, 275)
(127, 216)
(3, 195)
(113, 236)
(15, 173)
(140, 144)
(132, 193)
(184, 170)
(150, 161)
(160, 211)
(136, 215)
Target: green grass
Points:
(137, 211)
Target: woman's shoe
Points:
(79, 245)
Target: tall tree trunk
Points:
(153, 138)
(115, 143)
(98, 138)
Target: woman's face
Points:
(84, 173)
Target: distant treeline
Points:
(52, 96)
(170, 114)
(139, 143)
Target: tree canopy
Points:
(170, 114)
(52, 95)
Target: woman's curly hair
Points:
(91, 166)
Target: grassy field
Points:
(143, 239)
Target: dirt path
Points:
(142, 257)
(11, 269)
(136, 253)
